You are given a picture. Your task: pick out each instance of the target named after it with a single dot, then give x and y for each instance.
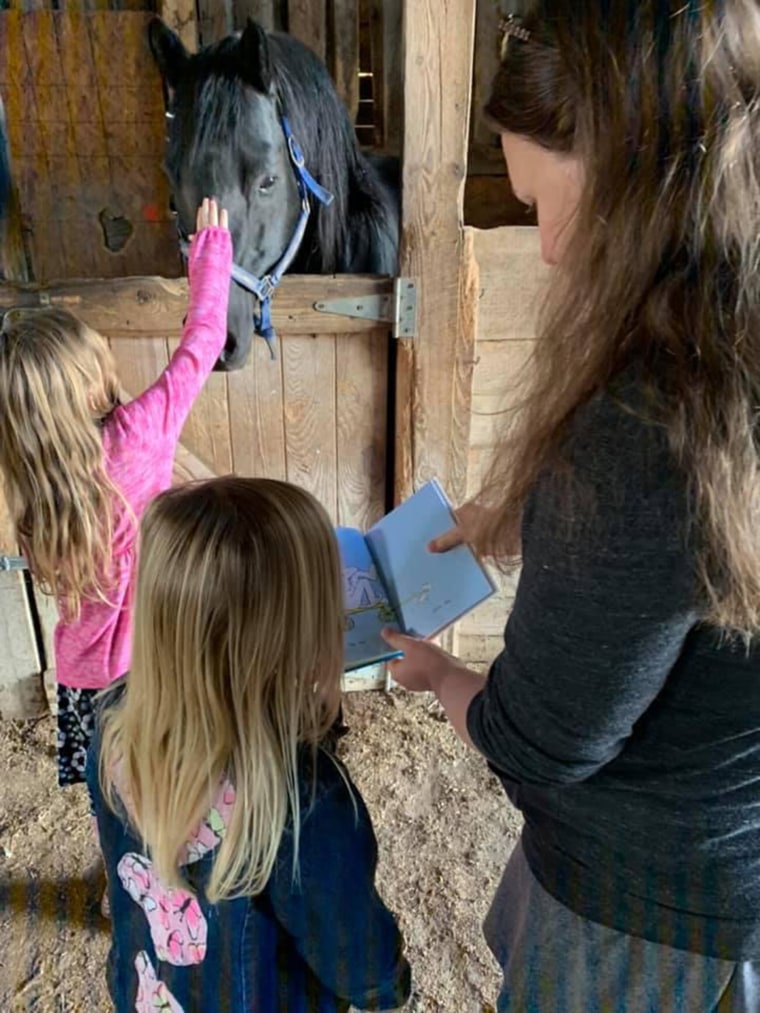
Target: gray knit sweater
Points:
(627, 732)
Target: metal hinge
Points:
(13, 563)
(398, 309)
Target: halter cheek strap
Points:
(263, 289)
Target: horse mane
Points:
(324, 130)
(358, 232)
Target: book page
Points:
(429, 591)
(368, 609)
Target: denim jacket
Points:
(314, 945)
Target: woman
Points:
(623, 715)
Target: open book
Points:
(392, 579)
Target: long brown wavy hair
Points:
(661, 102)
(237, 660)
(57, 382)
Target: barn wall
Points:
(512, 281)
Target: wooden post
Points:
(22, 695)
(434, 375)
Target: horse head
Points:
(255, 121)
(225, 140)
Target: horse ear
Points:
(255, 67)
(168, 51)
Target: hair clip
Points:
(511, 27)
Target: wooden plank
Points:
(434, 368)
(22, 695)
(265, 12)
(207, 430)
(392, 83)
(362, 405)
(87, 136)
(180, 16)
(343, 51)
(8, 544)
(499, 370)
(311, 416)
(150, 306)
(257, 422)
(214, 20)
(307, 21)
(377, 51)
(48, 616)
(31, 60)
(513, 283)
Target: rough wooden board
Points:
(392, 83)
(433, 366)
(512, 282)
(8, 545)
(307, 21)
(151, 306)
(377, 59)
(257, 420)
(22, 695)
(87, 134)
(362, 410)
(343, 51)
(48, 615)
(207, 430)
(362, 679)
(311, 416)
(265, 12)
(180, 16)
(214, 20)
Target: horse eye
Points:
(267, 183)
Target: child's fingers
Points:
(224, 219)
(201, 217)
(213, 213)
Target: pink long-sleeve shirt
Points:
(139, 443)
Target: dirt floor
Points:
(443, 824)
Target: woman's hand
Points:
(423, 666)
(210, 215)
(426, 667)
(469, 517)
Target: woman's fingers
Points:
(224, 219)
(448, 540)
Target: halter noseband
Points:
(263, 289)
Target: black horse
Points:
(241, 111)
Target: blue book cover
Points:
(392, 579)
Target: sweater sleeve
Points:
(605, 601)
(339, 924)
(165, 405)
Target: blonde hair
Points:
(57, 381)
(237, 660)
(662, 269)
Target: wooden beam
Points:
(148, 306)
(434, 369)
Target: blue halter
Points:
(263, 289)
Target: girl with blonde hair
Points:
(623, 715)
(79, 468)
(240, 857)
